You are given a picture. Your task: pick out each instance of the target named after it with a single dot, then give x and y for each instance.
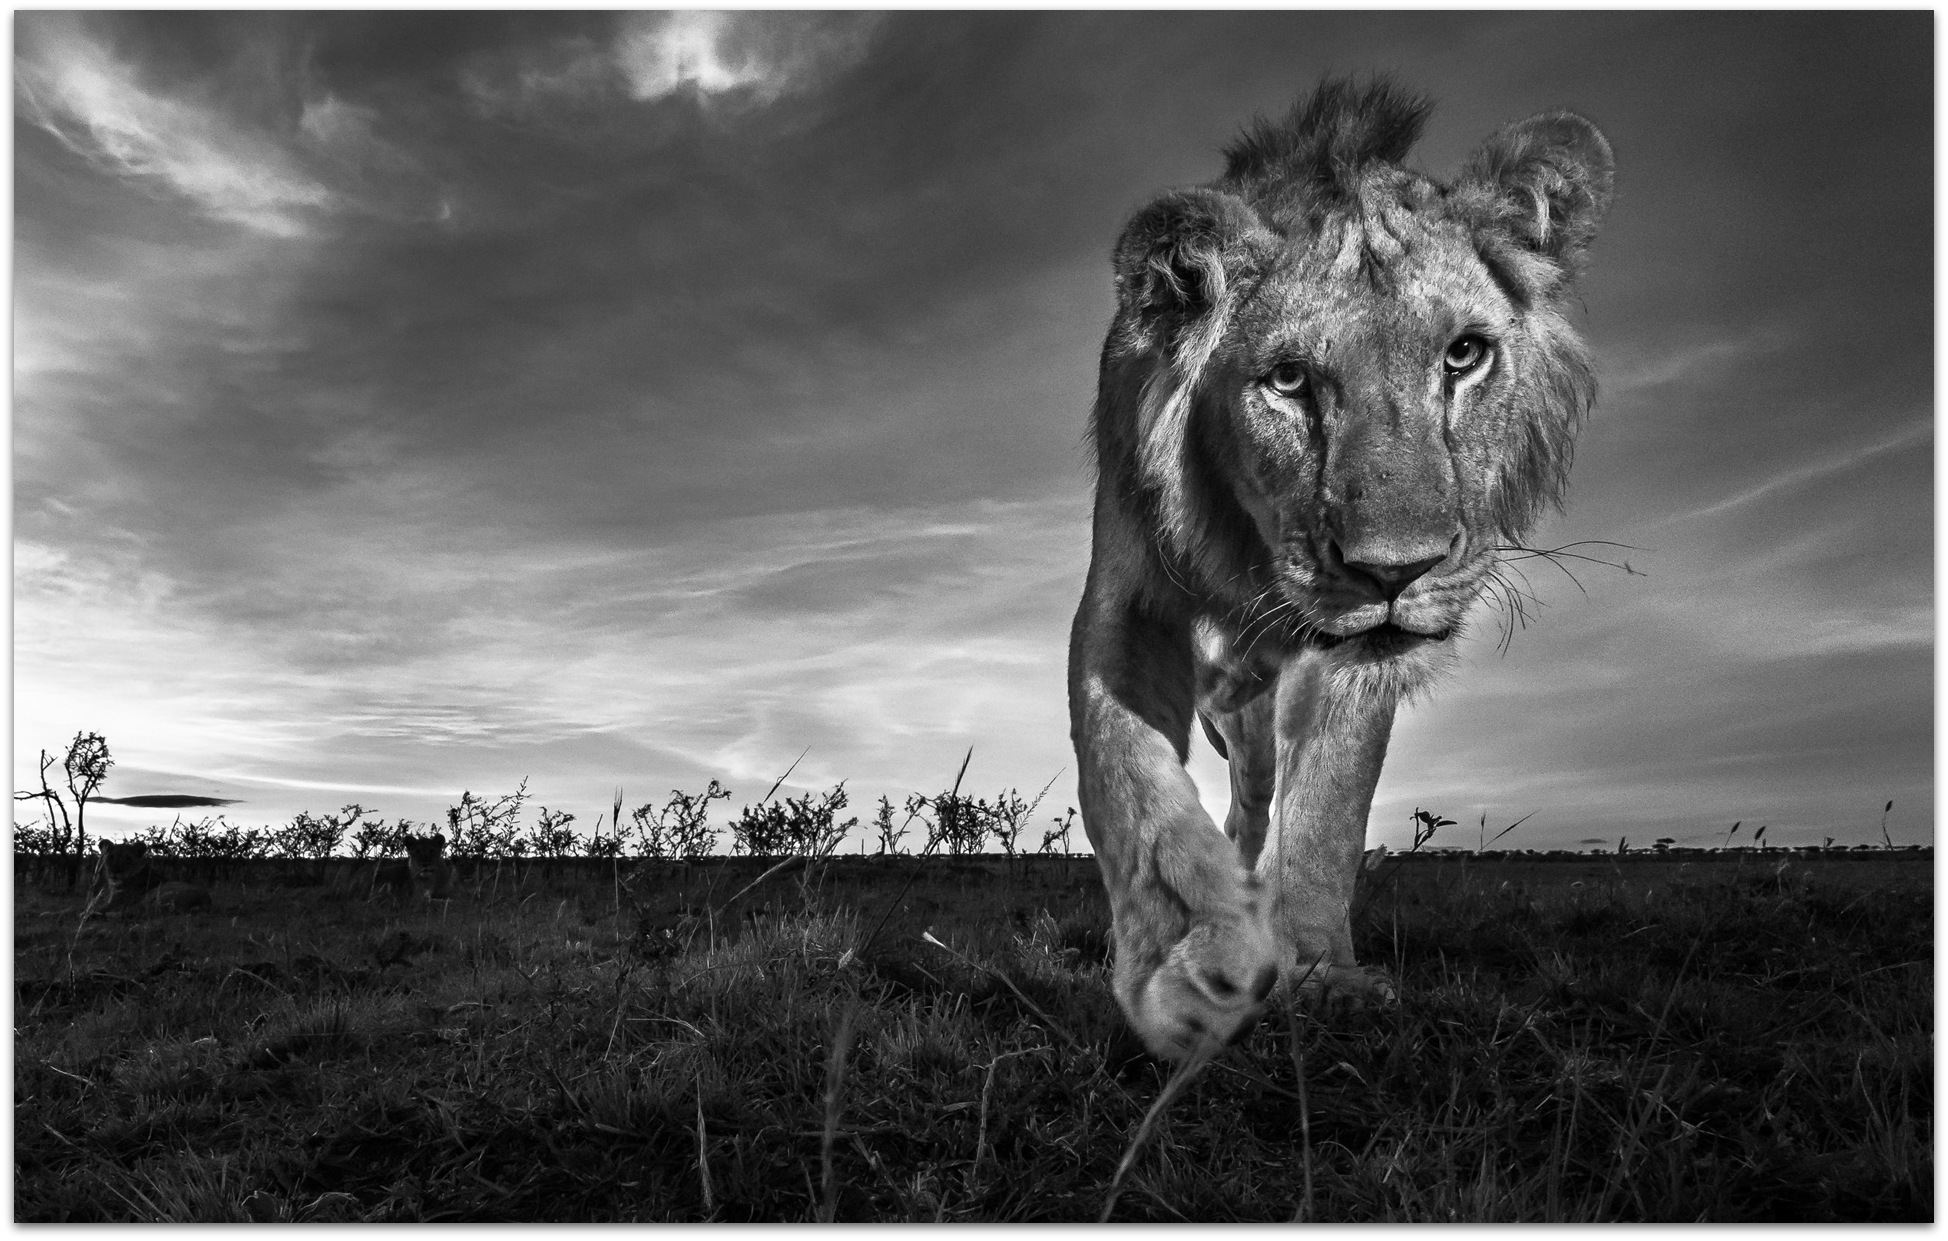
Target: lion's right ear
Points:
(1546, 184)
(1178, 256)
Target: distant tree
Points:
(1007, 817)
(47, 844)
(376, 838)
(551, 836)
(1060, 832)
(1010, 815)
(679, 828)
(52, 802)
(162, 841)
(308, 839)
(85, 767)
(958, 822)
(217, 846)
(478, 828)
(800, 825)
(890, 836)
(317, 836)
(965, 823)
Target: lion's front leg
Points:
(1331, 739)
(1195, 950)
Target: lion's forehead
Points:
(1383, 276)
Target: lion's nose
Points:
(1393, 578)
(1390, 575)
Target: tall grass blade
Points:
(703, 1153)
(1178, 1083)
(779, 782)
(834, 1092)
(1305, 1212)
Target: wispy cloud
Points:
(77, 90)
(535, 77)
(1910, 436)
(1630, 370)
(235, 164)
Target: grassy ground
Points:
(1588, 1041)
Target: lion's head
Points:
(121, 862)
(426, 863)
(1334, 387)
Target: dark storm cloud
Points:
(166, 801)
(406, 400)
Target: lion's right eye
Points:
(1288, 380)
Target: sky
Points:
(406, 404)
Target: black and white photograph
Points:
(900, 616)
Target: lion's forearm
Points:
(1132, 784)
(1131, 701)
(1194, 949)
(1331, 746)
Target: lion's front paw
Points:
(1335, 989)
(1209, 987)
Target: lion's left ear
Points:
(1549, 181)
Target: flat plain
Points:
(1738, 1035)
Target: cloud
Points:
(763, 56)
(1631, 368)
(661, 53)
(523, 80)
(234, 163)
(371, 174)
(1847, 459)
(726, 59)
(78, 91)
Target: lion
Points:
(1333, 390)
(424, 871)
(126, 878)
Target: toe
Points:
(1262, 985)
(1218, 984)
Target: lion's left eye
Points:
(1288, 379)
(1465, 354)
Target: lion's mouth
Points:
(1386, 636)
